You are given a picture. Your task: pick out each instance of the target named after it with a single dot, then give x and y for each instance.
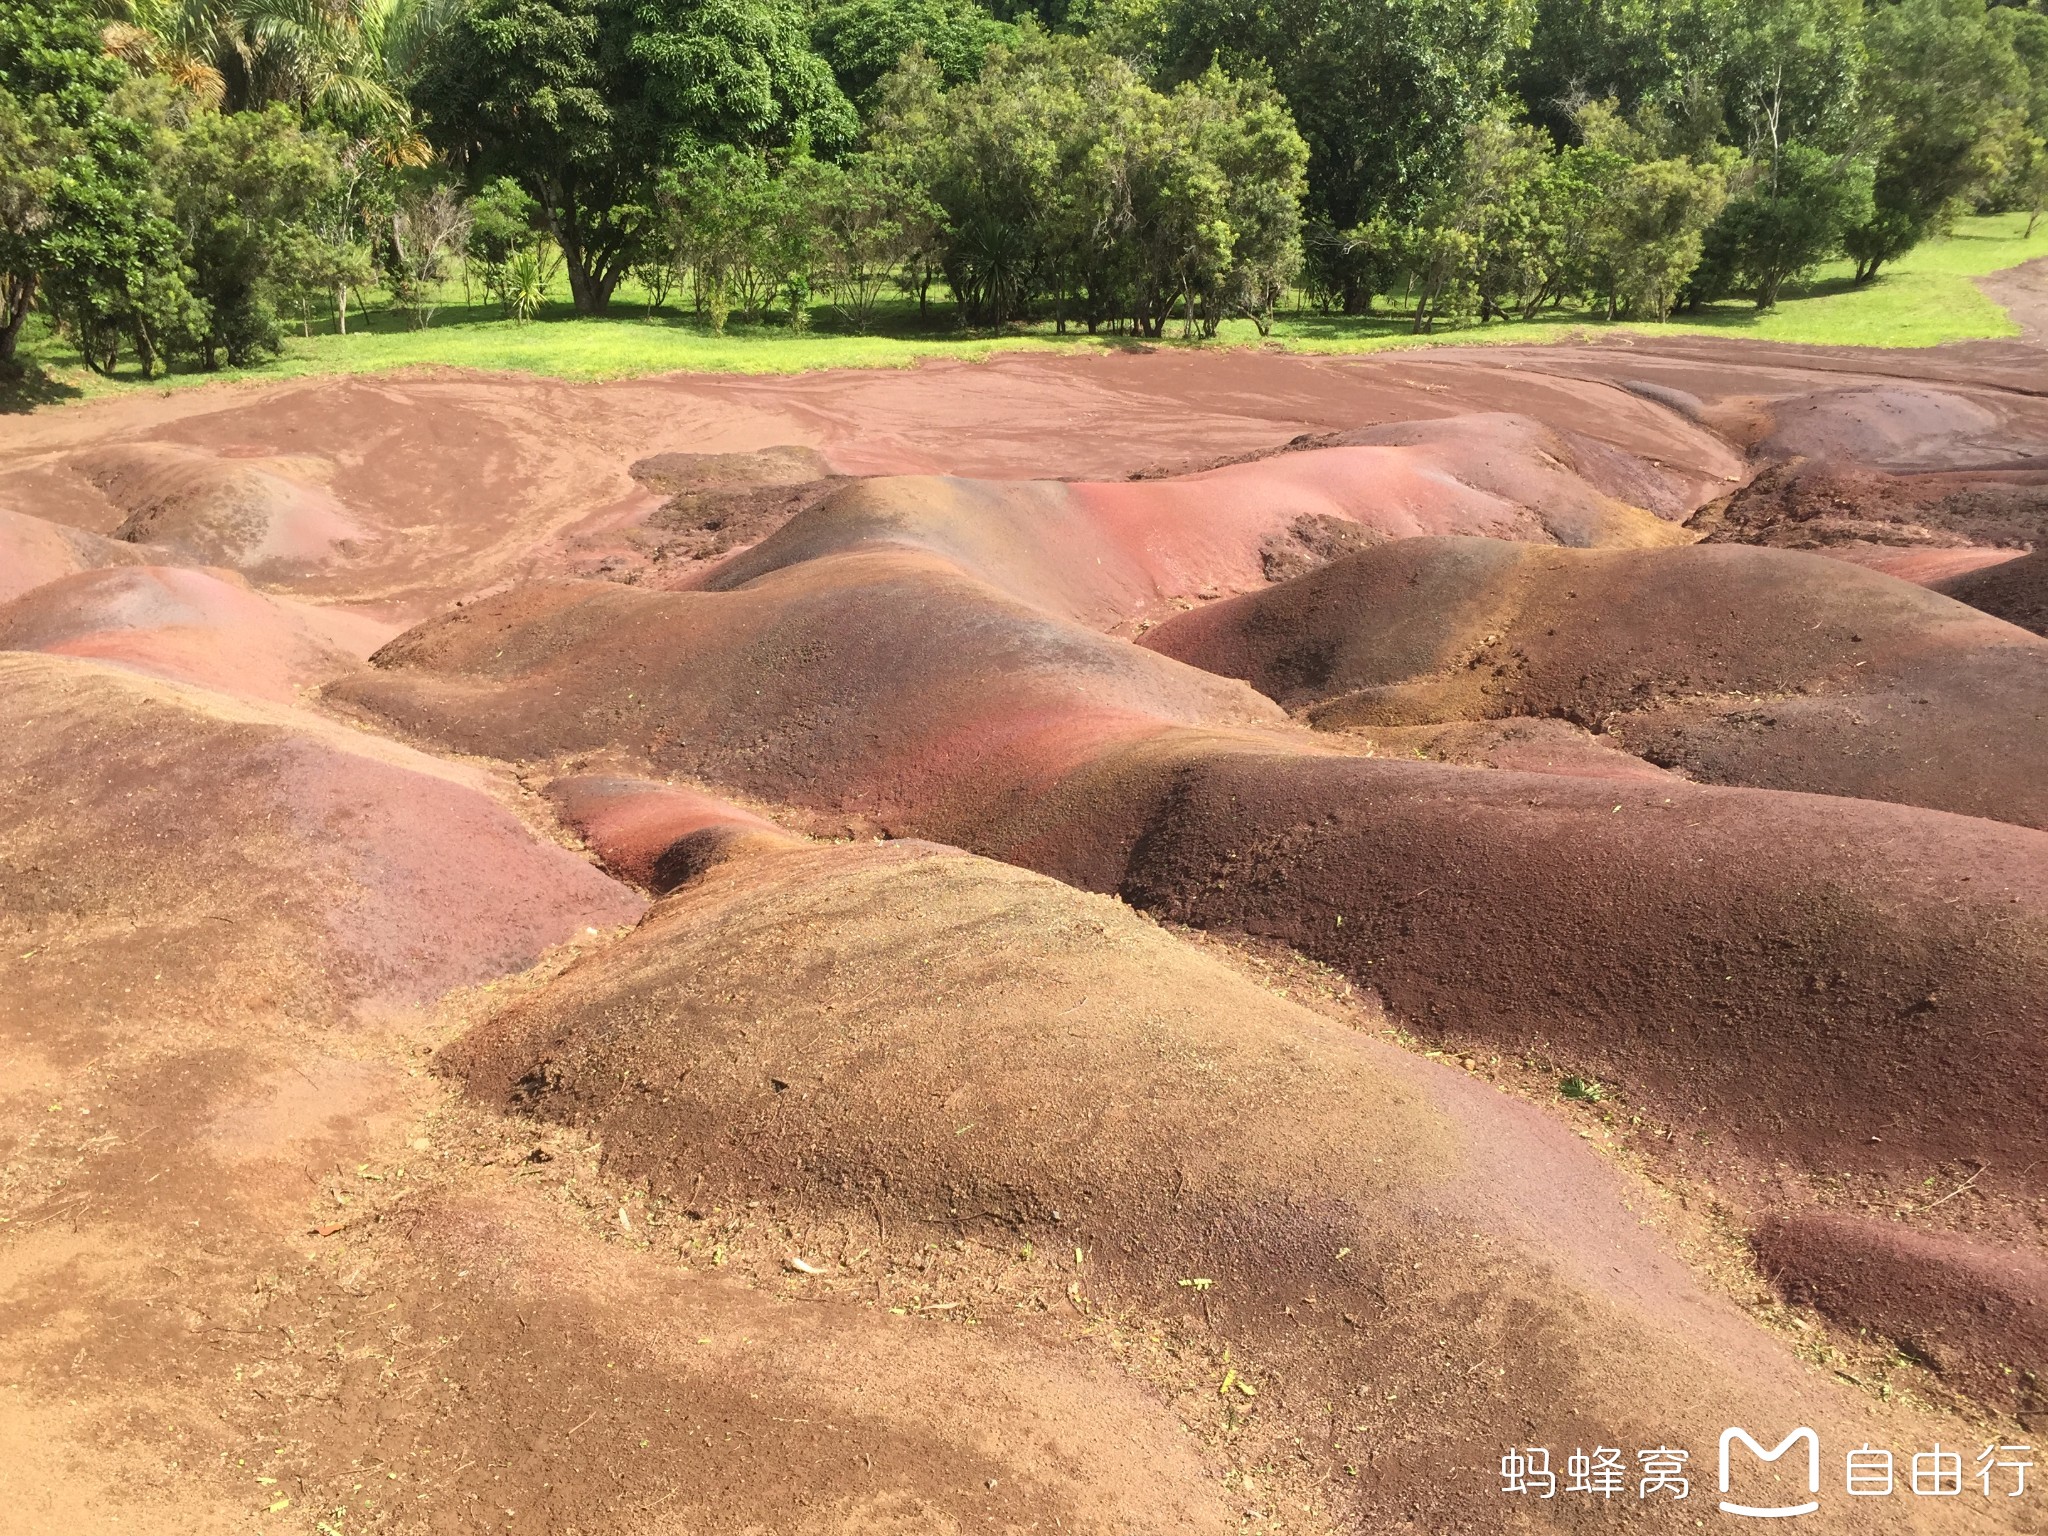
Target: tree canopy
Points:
(177, 177)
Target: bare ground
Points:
(377, 1158)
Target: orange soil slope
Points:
(174, 830)
(455, 481)
(254, 1264)
(34, 551)
(2013, 590)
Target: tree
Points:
(1942, 83)
(585, 102)
(1497, 202)
(501, 230)
(83, 226)
(790, 246)
(1648, 223)
(310, 265)
(874, 221)
(1709, 65)
(1344, 268)
(864, 40)
(33, 149)
(1059, 174)
(2022, 182)
(750, 229)
(343, 64)
(1382, 93)
(429, 224)
(1245, 130)
(525, 88)
(1785, 214)
(245, 190)
(1003, 157)
(706, 206)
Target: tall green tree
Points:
(1244, 128)
(585, 102)
(1382, 93)
(84, 229)
(1943, 82)
(245, 191)
(1061, 177)
(1648, 224)
(33, 148)
(1720, 66)
(345, 64)
(2022, 182)
(1787, 212)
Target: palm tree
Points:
(347, 62)
(185, 41)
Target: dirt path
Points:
(2023, 290)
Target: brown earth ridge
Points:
(1161, 941)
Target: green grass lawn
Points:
(1926, 299)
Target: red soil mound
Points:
(1809, 973)
(266, 516)
(197, 905)
(1888, 425)
(1734, 665)
(458, 481)
(866, 682)
(2013, 590)
(1977, 1314)
(695, 1400)
(33, 551)
(947, 1082)
(655, 835)
(1842, 985)
(1104, 553)
(687, 509)
(257, 1260)
(236, 851)
(191, 626)
(1171, 413)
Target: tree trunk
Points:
(17, 316)
(590, 291)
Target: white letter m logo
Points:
(1729, 1436)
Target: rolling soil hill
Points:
(1180, 943)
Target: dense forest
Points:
(185, 180)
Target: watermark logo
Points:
(1779, 1511)
(1607, 1473)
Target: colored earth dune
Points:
(1156, 942)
